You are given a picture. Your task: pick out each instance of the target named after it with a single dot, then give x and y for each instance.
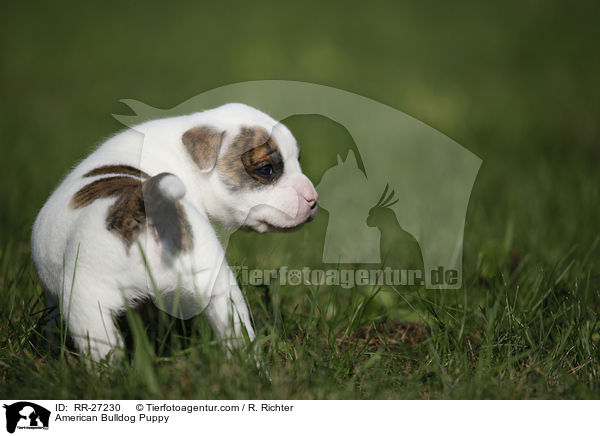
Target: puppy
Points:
(141, 208)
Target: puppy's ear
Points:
(203, 144)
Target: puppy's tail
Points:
(165, 213)
(164, 187)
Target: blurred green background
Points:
(516, 83)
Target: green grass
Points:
(517, 85)
(523, 333)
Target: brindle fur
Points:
(127, 215)
(116, 169)
(103, 188)
(203, 144)
(250, 149)
(138, 204)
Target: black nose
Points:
(313, 206)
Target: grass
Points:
(525, 334)
(517, 86)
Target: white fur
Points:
(92, 275)
(172, 187)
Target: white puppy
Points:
(144, 202)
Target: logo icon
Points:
(26, 415)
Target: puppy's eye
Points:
(265, 170)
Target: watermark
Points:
(344, 277)
(400, 190)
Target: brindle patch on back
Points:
(138, 204)
(116, 169)
(127, 216)
(103, 188)
(250, 150)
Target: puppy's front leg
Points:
(227, 311)
(213, 282)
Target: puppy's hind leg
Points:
(93, 330)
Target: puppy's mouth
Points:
(286, 229)
(263, 225)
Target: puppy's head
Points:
(251, 164)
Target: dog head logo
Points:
(26, 415)
(430, 175)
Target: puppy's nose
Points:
(311, 197)
(306, 190)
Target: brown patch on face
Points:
(139, 204)
(203, 144)
(253, 159)
(116, 169)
